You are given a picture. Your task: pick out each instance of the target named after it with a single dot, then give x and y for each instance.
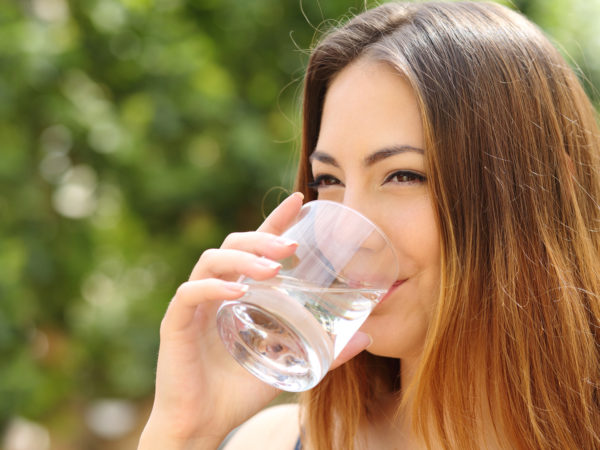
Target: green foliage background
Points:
(134, 134)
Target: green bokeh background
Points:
(135, 134)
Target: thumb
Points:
(357, 344)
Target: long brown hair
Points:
(512, 355)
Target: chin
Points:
(394, 339)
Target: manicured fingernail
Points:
(264, 262)
(364, 338)
(285, 242)
(236, 287)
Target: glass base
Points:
(275, 338)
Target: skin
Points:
(201, 392)
(369, 109)
(370, 155)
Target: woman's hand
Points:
(201, 391)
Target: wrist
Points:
(155, 437)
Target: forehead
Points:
(369, 106)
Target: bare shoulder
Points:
(277, 428)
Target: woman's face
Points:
(370, 156)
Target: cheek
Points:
(400, 324)
(417, 242)
(415, 235)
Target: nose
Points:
(367, 206)
(354, 244)
(370, 260)
(346, 225)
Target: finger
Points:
(357, 344)
(264, 244)
(278, 221)
(191, 294)
(229, 264)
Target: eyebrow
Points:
(373, 158)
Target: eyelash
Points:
(316, 184)
(413, 177)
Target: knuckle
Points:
(208, 254)
(231, 239)
(237, 239)
(163, 330)
(180, 293)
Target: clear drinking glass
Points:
(287, 330)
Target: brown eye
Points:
(405, 177)
(323, 181)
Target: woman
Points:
(460, 131)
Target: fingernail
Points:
(364, 338)
(298, 194)
(285, 242)
(264, 262)
(236, 287)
